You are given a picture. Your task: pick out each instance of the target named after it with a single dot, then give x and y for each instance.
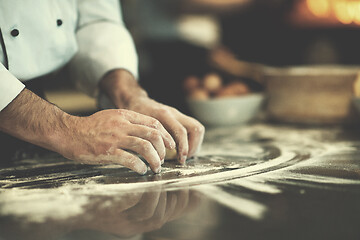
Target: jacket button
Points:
(59, 22)
(14, 33)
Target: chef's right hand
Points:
(116, 136)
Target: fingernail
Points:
(158, 170)
(183, 159)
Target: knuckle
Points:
(131, 161)
(195, 127)
(181, 132)
(121, 112)
(163, 112)
(199, 128)
(173, 110)
(146, 146)
(154, 135)
(155, 124)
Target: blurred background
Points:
(179, 39)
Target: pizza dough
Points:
(171, 154)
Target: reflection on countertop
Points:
(254, 182)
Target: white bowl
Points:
(226, 111)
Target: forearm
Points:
(32, 119)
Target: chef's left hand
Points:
(124, 91)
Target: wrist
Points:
(61, 138)
(122, 88)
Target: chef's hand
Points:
(124, 91)
(106, 137)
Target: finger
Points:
(194, 201)
(171, 205)
(178, 131)
(127, 201)
(161, 207)
(126, 159)
(182, 202)
(143, 148)
(158, 217)
(145, 208)
(153, 136)
(196, 132)
(141, 119)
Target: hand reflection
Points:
(137, 212)
(122, 214)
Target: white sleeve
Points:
(10, 87)
(104, 44)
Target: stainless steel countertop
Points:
(248, 182)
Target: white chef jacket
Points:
(41, 36)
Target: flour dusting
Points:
(256, 158)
